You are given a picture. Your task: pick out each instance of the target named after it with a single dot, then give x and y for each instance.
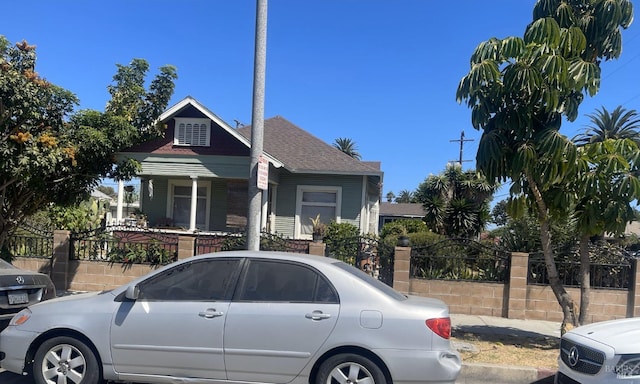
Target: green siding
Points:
(286, 198)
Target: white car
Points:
(237, 317)
(605, 352)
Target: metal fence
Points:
(29, 241)
(367, 253)
(460, 259)
(206, 243)
(124, 244)
(602, 275)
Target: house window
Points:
(179, 208)
(313, 201)
(194, 132)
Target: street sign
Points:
(263, 173)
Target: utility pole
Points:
(462, 140)
(257, 127)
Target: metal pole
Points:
(257, 126)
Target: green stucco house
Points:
(195, 178)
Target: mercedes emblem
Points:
(574, 356)
(20, 280)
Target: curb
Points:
(493, 373)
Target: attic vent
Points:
(194, 132)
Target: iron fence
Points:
(462, 260)
(124, 244)
(602, 275)
(367, 253)
(206, 243)
(29, 241)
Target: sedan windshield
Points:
(377, 284)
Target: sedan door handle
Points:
(317, 315)
(210, 313)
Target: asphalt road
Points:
(12, 378)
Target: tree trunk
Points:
(567, 304)
(585, 279)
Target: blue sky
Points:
(381, 72)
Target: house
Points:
(196, 177)
(397, 211)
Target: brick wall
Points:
(516, 299)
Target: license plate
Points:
(18, 298)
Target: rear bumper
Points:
(418, 366)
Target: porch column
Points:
(264, 210)
(120, 201)
(194, 203)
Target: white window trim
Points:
(188, 183)
(315, 188)
(192, 120)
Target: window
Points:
(206, 280)
(179, 208)
(314, 201)
(194, 132)
(285, 282)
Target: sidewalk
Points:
(490, 373)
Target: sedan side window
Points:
(285, 282)
(201, 280)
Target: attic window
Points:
(194, 132)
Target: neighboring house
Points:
(396, 211)
(202, 158)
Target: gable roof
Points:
(187, 101)
(301, 152)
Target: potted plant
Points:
(318, 228)
(403, 237)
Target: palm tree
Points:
(456, 202)
(347, 146)
(405, 196)
(619, 124)
(390, 196)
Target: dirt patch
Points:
(537, 351)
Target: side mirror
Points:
(132, 292)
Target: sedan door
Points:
(175, 327)
(280, 318)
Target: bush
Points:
(342, 240)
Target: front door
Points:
(175, 328)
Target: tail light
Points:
(441, 326)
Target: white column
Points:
(120, 202)
(194, 203)
(264, 210)
(272, 218)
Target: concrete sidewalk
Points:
(490, 373)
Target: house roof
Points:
(301, 152)
(402, 209)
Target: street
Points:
(11, 378)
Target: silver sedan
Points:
(237, 317)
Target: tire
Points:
(65, 360)
(349, 368)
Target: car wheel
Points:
(349, 368)
(65, 360)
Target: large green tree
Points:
(456, 202)
(519, 90)
(606, 185)
(51, 154)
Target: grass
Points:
(537, 352)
